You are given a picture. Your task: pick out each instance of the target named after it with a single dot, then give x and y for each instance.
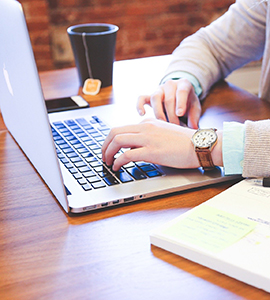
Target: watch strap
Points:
(205, 158)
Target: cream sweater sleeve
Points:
(257, 149)
(228, 43)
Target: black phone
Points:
(66, 103)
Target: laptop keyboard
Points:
(78, 145)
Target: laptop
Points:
(64, 147)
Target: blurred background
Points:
(147, 27)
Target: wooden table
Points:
(46, 254)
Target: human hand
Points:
(152, 141)
(173, 99)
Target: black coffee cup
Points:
(93, 47)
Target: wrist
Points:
(208, 147)
(217, 151)
(176, 75)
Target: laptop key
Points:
(89, 174)
(87, 187)
(64, 160)
(82, 121)
(82, 135)
(60, 155)
(99, 184)
(123, 177)
(83, 150)
(80, 164)
(68, 165)
(63, 145)
(104, 173)
(82, 181)
(110, 180)
(76, 143)
(153, 173)
(99, 169)
(136, 173)
(70, 122)
(70, 137)
(90, 158)
(129, 165)
(147, 168)
(72, 155)
(67, 150)
(75, 159)
(59, 140)
(95, 164)
(93, 179)
(90, 142)
(73, 171)
(77, 175)
(84, 169)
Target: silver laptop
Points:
(64, 147)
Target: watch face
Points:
(204, 138)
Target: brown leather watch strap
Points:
(205, 158)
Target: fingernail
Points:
(140, 112)
(179, 112)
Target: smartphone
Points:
(66, 103)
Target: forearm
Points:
(217, 151)
(257, 145)
(215, 51)
(246, 148)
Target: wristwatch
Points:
(204, 140)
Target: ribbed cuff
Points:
(180, 74)
(233, 147)
(257, 145)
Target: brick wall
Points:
(147, 27)
(38, 21)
